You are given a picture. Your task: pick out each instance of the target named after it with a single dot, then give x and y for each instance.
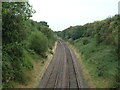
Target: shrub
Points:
(16, 63)
(85, 41)
(38, 42)
(7, 69)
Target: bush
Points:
(38, 42)
(7, 69)
(16, 63)
(85, 42)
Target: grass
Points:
(84, 70)
(35, 73)
(99, 60)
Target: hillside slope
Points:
(24, 42)
(97, 44)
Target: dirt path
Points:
(63, 71)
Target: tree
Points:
(14, 33)
(44, 23)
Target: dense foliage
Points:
(38, 44)
(22, 39)
(98, 44)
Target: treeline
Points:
(97, 43)
(22, 41)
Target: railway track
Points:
(63, 71)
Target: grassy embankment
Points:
(98, 69)
(100, 61)
(97, 45)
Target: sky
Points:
(61, 14)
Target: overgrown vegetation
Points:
(98, 44)
(23, 40)
(38, 44)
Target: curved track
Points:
(63, 71)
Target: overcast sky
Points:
(61, 14)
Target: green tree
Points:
(38, 42)
(14, 33)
